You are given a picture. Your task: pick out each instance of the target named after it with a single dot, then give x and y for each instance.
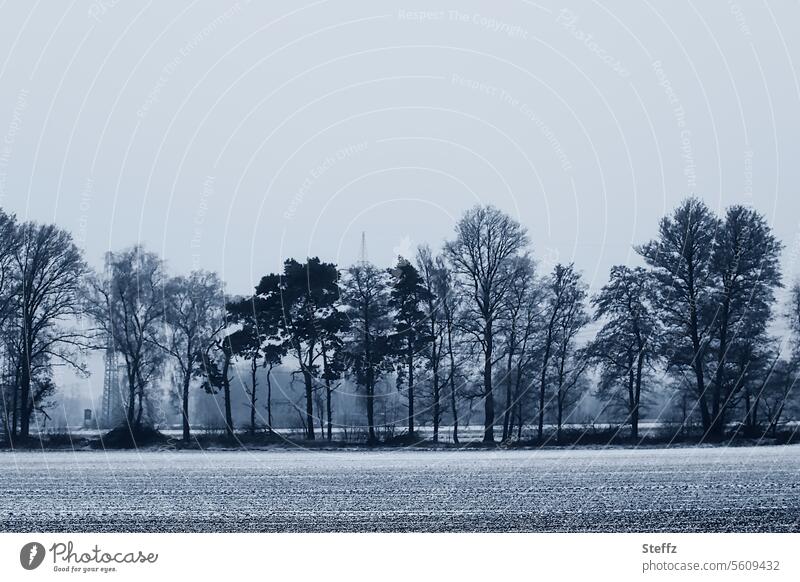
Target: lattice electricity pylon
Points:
(111, 397)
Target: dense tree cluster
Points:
(692, 337)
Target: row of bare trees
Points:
(475, 325)
(41, 271)
(692, 326)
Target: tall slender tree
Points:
(516, 325)
(258, 342)
(308, 294)
(365, 292)
(9, 240)
(628, 342)
(681, 263)
(482, 253)
(334, 359)
(410, 335)
(561, 288)
(49, 298)
(127, 302)
(746, 270)
(193, 315)
(432, 312)
(568, 365)
(448, 310)
(215, 369)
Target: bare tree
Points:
(448, 308)
(569, 366)
(628, 340)
(9, 240)
(49, 299)
(194, 313)
(681, 263)
(487, 240)
(560, 290)
(779, 394)
(745, 265)
(9, 245)
(517, 324)
(214, 368)
(434, 352)
(127, 303)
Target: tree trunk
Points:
(25, 395)
(560, 412)
(253, 381)
(717, 427)
(328, 399)
(410, 355)
(226, 386)
(488, 422)
(453, 399)
(507, 412)
(542, 387)
(15, 409)
(371, 439)
(697, 363)
(131, 399)
(269, 397)
(437, 410)
(140, 408)
(561, 393)
(309, 404)
(637, 396)
(187, 380)
(437, 406)
(516, 408)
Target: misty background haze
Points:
(230, 136)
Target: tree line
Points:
(474, 324)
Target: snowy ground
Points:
(689, 489)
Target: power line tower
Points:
(112, 400)
(364, 258)
(111, 396)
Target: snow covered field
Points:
(688, 489)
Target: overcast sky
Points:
(229, 136)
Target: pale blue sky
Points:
(231, 135)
